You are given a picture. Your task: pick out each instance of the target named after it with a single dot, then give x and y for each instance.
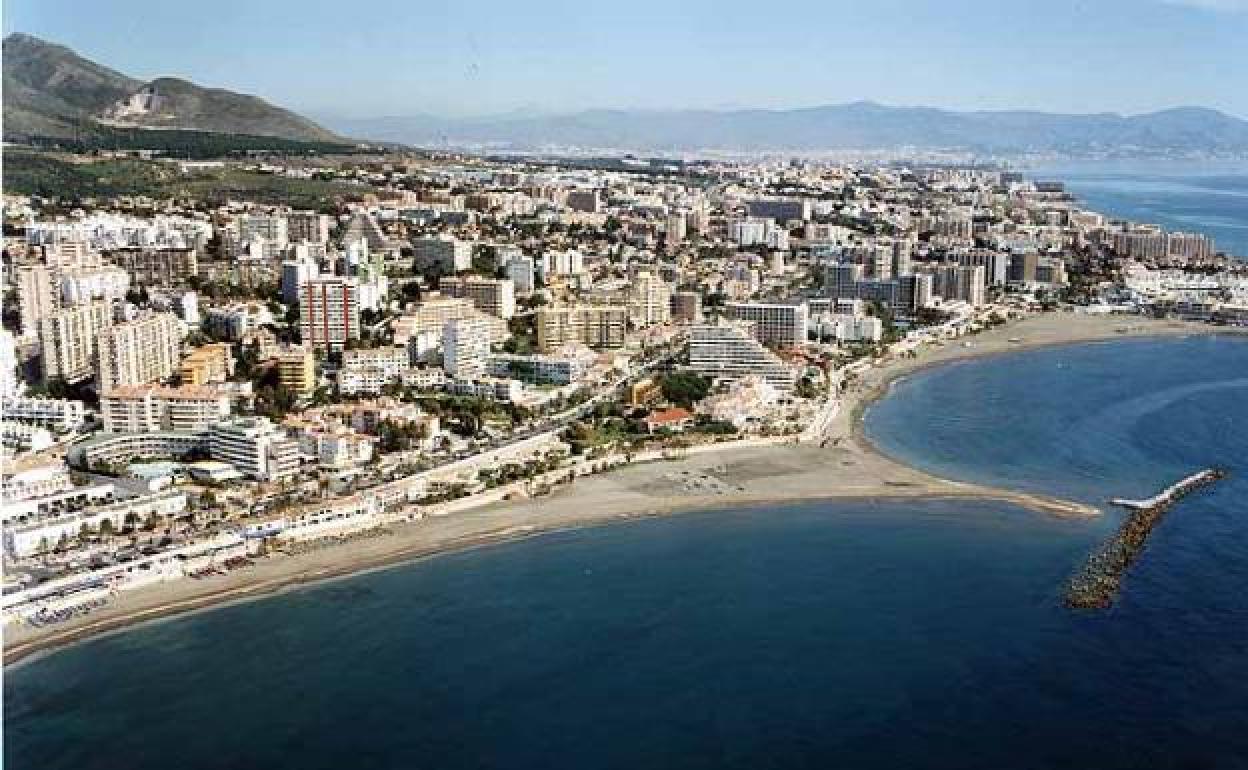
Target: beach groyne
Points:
(1096, 585)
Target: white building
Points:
(781, 325)
(465, 348)
(187, 409)
(57, 414)
(730, 352)
(256, 447)
(69, 338)
(140, 351)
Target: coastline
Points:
(849, 467)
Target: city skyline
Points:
(492, 58)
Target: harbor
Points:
(1098, 583)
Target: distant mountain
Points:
(856, 126)
(52, 92)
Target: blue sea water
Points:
(828, 635)
(1205, 198)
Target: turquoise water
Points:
(1209, 198)
(855, 635)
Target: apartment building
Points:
(207, 364)
(465, 348)
(649, 300)
(443, 253)
(59, 414)
(598, 326)
(255, 447)
(161, 266)
(730, 351)
(148, 409)
(38, 295)
(296, 371)
(495, 296)
(686, 307)
(777, 325)
(329, 312)
(69, 340)
(140, 351)
(955, 282)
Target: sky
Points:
(405, 57)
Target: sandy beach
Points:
(846, 466)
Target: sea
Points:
(817, 635)
(1202, 197)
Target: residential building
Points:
(307, 227)
(38, 295)
(443, 253)
(58, 414)
(329, 312)
(148, 409)
(730, 351)
(598, 326)
(140, 351)
(686, 307)
(295, 273)
(207, 364)
(69, 339)
(296, 371)
(649, 300)
(465, 348)
(777, 325)
(362, 227)
(521, 270)
(489, 295)
(157, 266)
(255, 447)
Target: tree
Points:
(685, 388)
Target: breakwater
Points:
(1096, 585)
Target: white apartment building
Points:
(140, 409)
(296, 272)
(43, 534)
(956, 282)
(560, 368)
(140, 351)
(329, 312)
(57, 414)
(649, 300)
(255, 447)
(779, 325)
(730, 352)
(83, 284)
(69, 338)
(38, 295)
(465, 348)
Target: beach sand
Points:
(847, 466)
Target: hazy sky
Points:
(396, 57)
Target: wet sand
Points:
(847, 466)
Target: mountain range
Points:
(51, 92)
(855, 126)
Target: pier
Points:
(1096, 585)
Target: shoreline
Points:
(850, 467)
